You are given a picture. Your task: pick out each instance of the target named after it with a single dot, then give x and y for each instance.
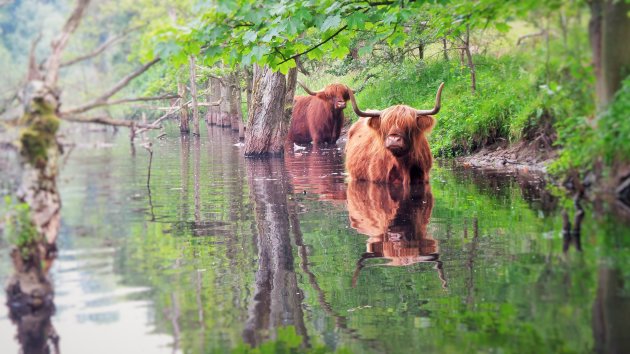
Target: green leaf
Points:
(339, 52)
(502, 27)
(316, 53)
(249, 37)
(284, 67)
(356, 20)
(331, 22)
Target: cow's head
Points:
(400, 124)
(336, 94)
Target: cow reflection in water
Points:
(395, 219)
(318, 171)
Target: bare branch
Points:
(102, 100)
(530, 35)
(33, 70)
(100, 49)
(108, 121)
(138, 99)
(59, 44)
(315, 46)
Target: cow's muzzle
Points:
(397, 145)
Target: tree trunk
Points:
(249, 79)
(608, 29)
(234, 90)
(183, 112)
(445, 49)
(35, 226)
(471, 64)
(239, 113)
(267, 121)
(193, 93)
(216, 95)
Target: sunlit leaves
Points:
(249, 37)
(356, 20)
(331, 22)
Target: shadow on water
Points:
(222, 250)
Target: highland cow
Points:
(318, 118)
(391, 146)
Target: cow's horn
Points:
(437, 104)
(307, 89)
(358, 111)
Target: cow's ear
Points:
(425, 123)
(374, 122)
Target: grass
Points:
(508, 99)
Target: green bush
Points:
(588, 140)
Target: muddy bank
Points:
(524, 156)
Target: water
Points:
(219, 252)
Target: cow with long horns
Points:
(318, 118)
(391, 146)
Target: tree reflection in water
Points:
(277, 299)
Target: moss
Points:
(21, 231)
(37, 136)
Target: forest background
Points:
(548, 73)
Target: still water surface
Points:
(219, 251)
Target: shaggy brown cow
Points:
(318, 118)
(391, 146)
(395, 222)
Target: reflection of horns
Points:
(440, 269)
(359, 112)
(437, 106)
(307, 89)
(357, 270)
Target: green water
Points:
(219, 252)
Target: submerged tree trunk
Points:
(268, 121)
(215, 93)
(35, 226)
(183, 112)
(193, 94)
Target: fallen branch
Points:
(102, 100)
(108, 121)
